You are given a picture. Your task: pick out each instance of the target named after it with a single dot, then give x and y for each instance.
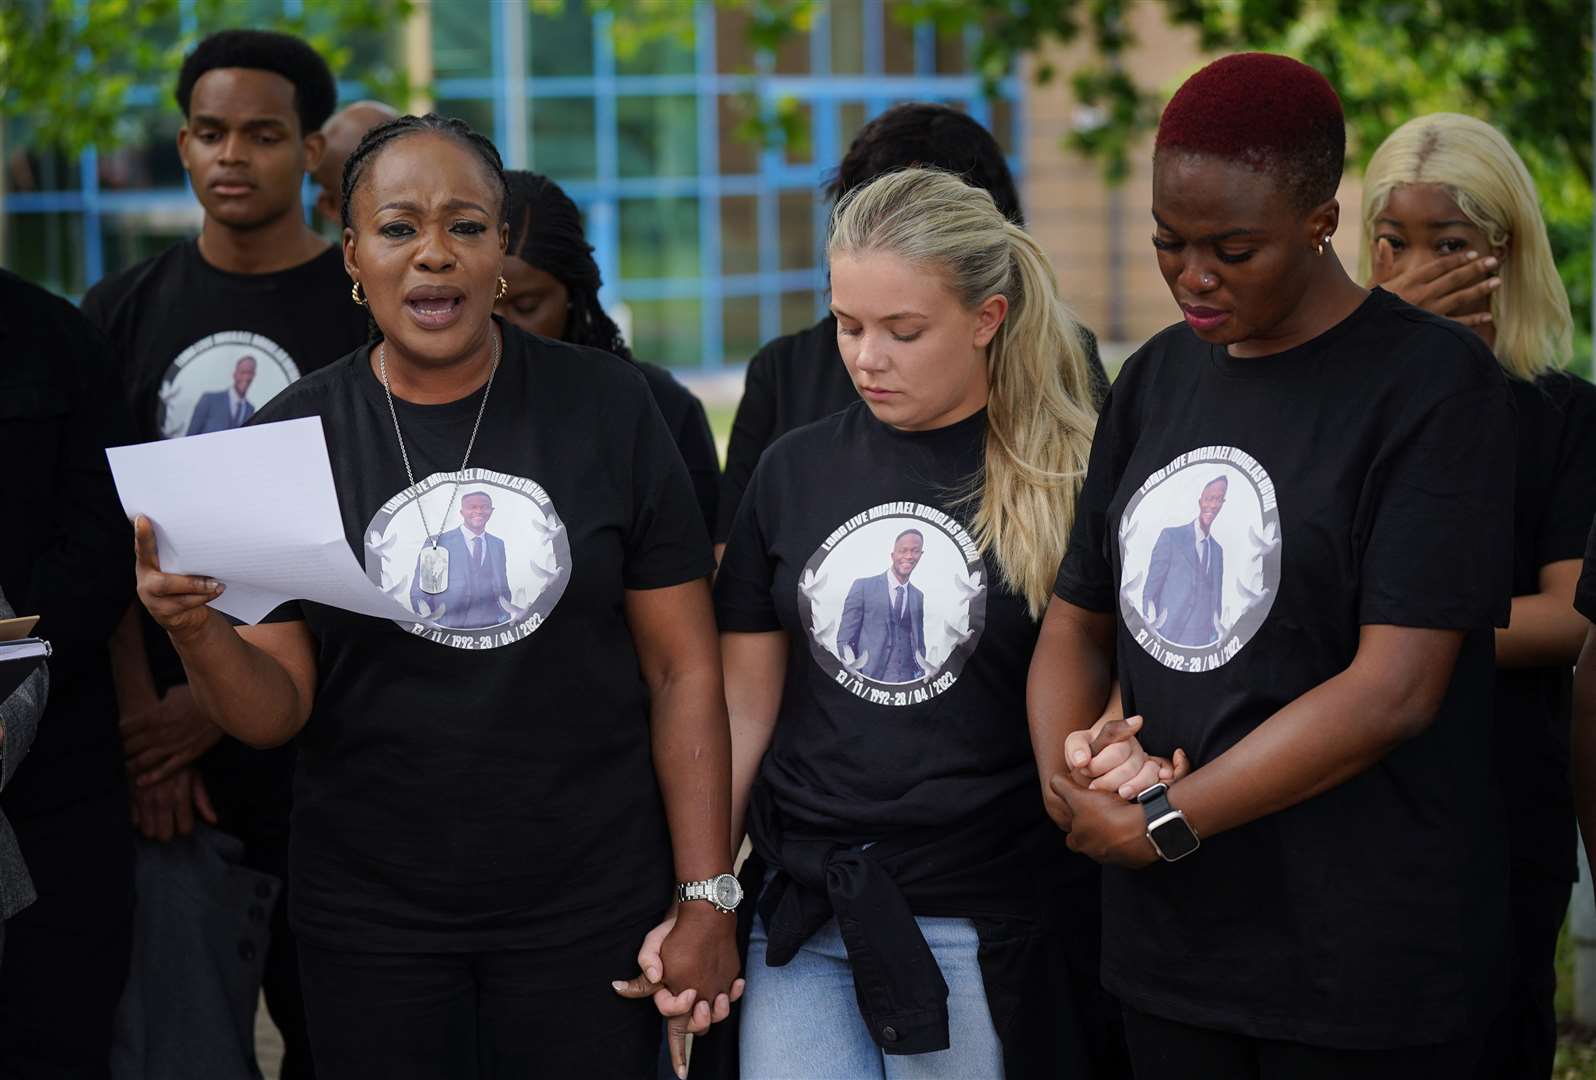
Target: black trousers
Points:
(66, 955)
(1523, 1040)
(1167, 1050)
(498, 1015)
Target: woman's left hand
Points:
(1104, 827)
(690, 1011)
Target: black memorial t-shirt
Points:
(689, 427)
(187, 335)
(1243, 518)
(904, 701)
(485, 780)
(798, 379)
(1554, 501)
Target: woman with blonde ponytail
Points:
(1454, 226)
(878, 601)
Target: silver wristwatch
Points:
(723, 891)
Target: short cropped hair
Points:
(922, 135)
(1271, 112)
(909, 532)
(315, 92)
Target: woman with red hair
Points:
(1290, 552)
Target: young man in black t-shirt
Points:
(208, 332)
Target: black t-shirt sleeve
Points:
(666, 544)
(1585, 591)
(752, 430)
(1437, 543)
(1097, 375)
(1086, 577)
(697, 444)
(743, 603)
(1572, 503)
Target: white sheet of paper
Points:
(254, 508)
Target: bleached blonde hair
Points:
(1484, 175)
(1039, 406)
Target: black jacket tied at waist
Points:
(1034, 904)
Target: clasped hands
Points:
(1094, 800)
(688, 965)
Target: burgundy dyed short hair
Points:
(1271, 112)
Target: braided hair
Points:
(546, 232)
(384, 135)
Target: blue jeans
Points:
(802, 1020)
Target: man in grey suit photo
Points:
(882, 632)
(478, 589)
(223, 410)
(1185, 577)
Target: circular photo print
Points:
(493, 568)
(1200, 556)
(217, 383)
(894, 602)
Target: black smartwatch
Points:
(1172, 836)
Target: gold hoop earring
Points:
(504, 289)
(354, 294)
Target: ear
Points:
(989, 318)
(1322, 222)
(504, 241)
(327, 204)
(351, 259)
(1503, 250)
(315, 148)
(182, 146)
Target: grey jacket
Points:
(19, 717)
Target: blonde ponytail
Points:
(1039, 413)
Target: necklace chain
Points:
(382, 364)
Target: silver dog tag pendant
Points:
(434, 570)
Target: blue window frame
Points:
(712, 245)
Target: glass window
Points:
(657, 136)
(740, 328)
(666, 332)
(477, 113)
(847, 37)
(739, 234)
(799, 310)
(462, 39)
(897, 42)
(659, 238)
(32, 165)
(1003, 124)
(560, 43)
(669, 53)
(851, 116)
(562, 138)
(951, 56)
(128, 238)
(732, 52)
(739, 155)
(796, 209)
(149, 158)
(47, 249)
(802, 150)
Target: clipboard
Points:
(21, 627)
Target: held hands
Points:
(176, 601)
(700, 953)
(166, 737)
(1445, 286)
(166, 809)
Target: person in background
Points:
(799, 378)
(1453, 222)
(1324, 893)
(914, 911)
(553, 291)
(19, 721)
(340, 135)
(257, 281)
(467, 881)
(66, 956)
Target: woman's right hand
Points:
(1451, 285)
(176, 601)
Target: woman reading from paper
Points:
(490, 795)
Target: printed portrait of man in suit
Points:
(883, 620)
(1185, 577)
(223, 410)
(477, 592)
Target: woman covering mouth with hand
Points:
(491, 795)
(1291, 550)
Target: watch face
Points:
(726, 891)
(1173, 838)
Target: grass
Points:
(1576, 1049)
